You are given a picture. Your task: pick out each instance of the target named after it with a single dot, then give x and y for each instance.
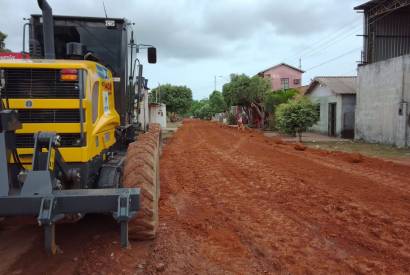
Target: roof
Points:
(303, 89)
(282, 64)
(338, 84)
(367, 5)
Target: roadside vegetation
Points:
(296, 116)
(3, 48)
(177, 98)
(247, 92)
(272, 101)
(282, 110)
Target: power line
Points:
(341, 35)
(331, 43)
(333, 59)
(326, 40)
(347, 53)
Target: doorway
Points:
(332, 120)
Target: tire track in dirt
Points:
(329, 221)
(374, 225)
(236, 203)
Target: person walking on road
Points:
(241, 127)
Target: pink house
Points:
(283, 76)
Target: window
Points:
(95, 100)
(318, 109)
(285, 83)
(296, 81)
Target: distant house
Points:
(283, 76)
(383, 95)
(336, 98)
(158, 114)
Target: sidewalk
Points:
(324, 142)
(306, 137)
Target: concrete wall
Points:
(276, 74)
(158, 114)
(382, 98)
(143, 115)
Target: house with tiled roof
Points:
(336, 100)
(283, 76)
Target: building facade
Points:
(336, 99)
(382, 102)
(283, 77)
(386, 32)
(383, 95)
(158, 114)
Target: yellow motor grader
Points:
(69, 140)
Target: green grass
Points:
(373, 150)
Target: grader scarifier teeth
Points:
(142, 171)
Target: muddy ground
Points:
(241, 203)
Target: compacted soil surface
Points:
(240, 203)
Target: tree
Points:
(201, 109)
(248, 92)
(217, 102)
(3, 37)
(296, 116)
(273, 99)
(195, 106)
(177, 98)
(205, 112)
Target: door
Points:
(332, 120)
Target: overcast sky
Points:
(200, 39)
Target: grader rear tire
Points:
(141, 170)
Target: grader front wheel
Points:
(142, 171)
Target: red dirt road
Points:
(239, 203)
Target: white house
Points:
(158, 114)
(336, 98)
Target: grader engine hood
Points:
(75, 99)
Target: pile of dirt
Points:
(300, 147)
(355, 158)
(278, 140)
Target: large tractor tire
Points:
(141, 170)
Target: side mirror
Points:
(152, 55)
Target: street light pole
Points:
(216, 76)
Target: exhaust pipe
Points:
(48, 29)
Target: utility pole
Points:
(215, 84)
(158, 93)
(300, 63)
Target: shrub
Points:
(231, 119)
(273, 99)
(296, 116)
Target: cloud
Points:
(197, 39)
(191, 30)
(241, 19)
